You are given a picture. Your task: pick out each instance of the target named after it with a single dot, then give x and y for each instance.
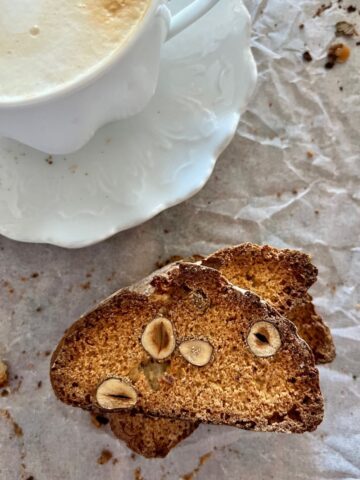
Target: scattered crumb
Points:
(133, 456)
(345, 29)
(4, 393)
(47, 353)
(105, 457)
(202, 460)
(137, 474)
(166, 230)
(115, 461)
(341, 88)
(357, 44)
(354, 377)
(17, 429)
(278, 194)
(98, 420)
(4, 375)
(337, 53)
(301, 26)
(307, 57)
(322, 9)
(49, 160)
(294, 191)
(316, 212)
(34, 275)
(86, 285)
(310, 154)
(351, 9)
(39, 309)
(88, 275)
(30, 478)
(39, 384)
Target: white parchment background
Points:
(265, 189)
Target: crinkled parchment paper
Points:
(291, 177)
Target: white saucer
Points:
(138, 167)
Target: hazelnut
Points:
(264, 339)
(158, 338)
(116, 393)
(196, 352)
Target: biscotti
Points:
(260, 374)
(282, 278)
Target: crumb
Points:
(86, 285)
(98, 420)
(341, 88)
(357, 44)
(294, 191)
(322, 9)
(345, 29)
(89, 275)
(39, 309)
(4, 393)
(270, 104)
(202, 460)
(310, 154)
(301, 26)
(17, 429)
(351, 9)
(137, 474)
(47, 353)
(49, 160)
(337, 53)
(30, 478)
(307, 57)
(104, 457)
(34, 275)
(166, 230)
(115, 461)
(39, 384)
(133, 456)
(24, 279)
(4, 375)
(354, 377)
(316, 212)
(278, 194)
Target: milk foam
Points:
(45, 44)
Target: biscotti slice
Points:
(150, 437)
(282, 278)
(226, 356)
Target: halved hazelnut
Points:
(196, 352)
(158, 338)
(3, 374)
(264, 339)
(116, 393)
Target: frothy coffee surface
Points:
(45, 44)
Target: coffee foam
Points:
(45, 44)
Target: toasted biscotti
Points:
(282, 278)
(294, 275)
(150, 436)
(244, 366)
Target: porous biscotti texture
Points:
(277, 393)
(282, 278)
(149, 436)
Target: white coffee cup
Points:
(64, 120)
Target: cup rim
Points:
(92, 75)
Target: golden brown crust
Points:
(280, 393)
(313, 330)
(149, 436)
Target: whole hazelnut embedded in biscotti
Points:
(158, 338)
(264, 339)
(196, 352)
(116, 393)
